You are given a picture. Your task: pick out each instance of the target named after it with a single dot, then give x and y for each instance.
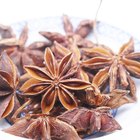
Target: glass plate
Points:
(127, 115)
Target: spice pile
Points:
(64, 88)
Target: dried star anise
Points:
(22, 55)
(55, 80)
(81, 32)
(88, 121)
(9, 79)
(71, 91)
(114, 68)
(43, 128)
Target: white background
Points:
(121, 13)
(124, 14)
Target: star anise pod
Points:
(22, 54)
(114, 68)
(41, 127)
(87, 121)
(81, 32)
(9, 79)
(55, 80)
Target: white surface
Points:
(120, 13)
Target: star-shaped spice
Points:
(55, 80)
(115, 68)
(9, 79)
(87, 121)
(72, 89)
(81, 32)
(41, 127)
(22, 54)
